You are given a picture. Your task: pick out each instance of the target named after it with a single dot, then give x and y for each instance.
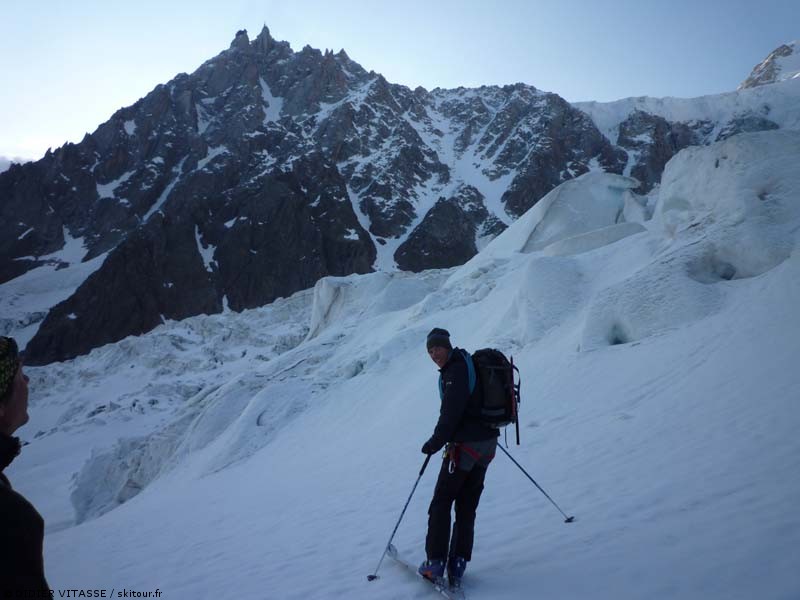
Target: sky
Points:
(67, 66)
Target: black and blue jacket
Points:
(459, 419)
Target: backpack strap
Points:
(472, 377)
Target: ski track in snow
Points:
(275, 448)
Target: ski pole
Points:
(374, 576)
(515, 397)
(567, 519)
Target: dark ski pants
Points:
(464, 488)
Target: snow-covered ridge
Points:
(778, 103)
(781, 65)
(657, 342)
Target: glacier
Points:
(268, 453)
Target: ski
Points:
(440, 586)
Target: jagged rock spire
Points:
(264, 42)
(241, 40)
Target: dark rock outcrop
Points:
(651, 141)
(448, 233)
(554, 144)
(745, 124)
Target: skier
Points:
(21, 526)
(471, 446)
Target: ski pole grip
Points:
(425, 464)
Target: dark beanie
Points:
(439, 337)
(9, 364)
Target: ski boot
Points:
(455, 571)
(432, 569)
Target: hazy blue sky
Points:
(66, 66)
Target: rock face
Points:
(450, 232)
(783, 63)
(650, 142)
(267, 169)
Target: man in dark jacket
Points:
(470, 448)
(21, 527)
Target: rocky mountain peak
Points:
(241, 41)
(352, 68)
(267, 169)
(264, 41)
(310, 51)
(782, 63)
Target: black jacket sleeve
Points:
(454, 404)
(21, 535)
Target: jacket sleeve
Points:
(454, 404)
(22, 565)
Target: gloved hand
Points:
(427, 448)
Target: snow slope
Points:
(26, 300)
(778, 103)
(268, 454)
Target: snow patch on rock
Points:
(109, 190)
(206, 250)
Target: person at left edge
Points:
(21, 526)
